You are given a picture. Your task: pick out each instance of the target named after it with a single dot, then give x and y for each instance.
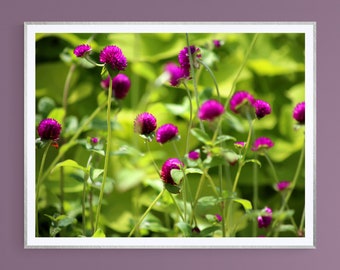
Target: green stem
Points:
(86, 176)
(213, 78)
(302, 222)
(39, 181)
(192, 71)
(255, 194)
(146, 213)
(272, 167)
(107, 153)
(233, 86)
(190, 119)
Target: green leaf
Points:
(200, 135)
(99, 234)
(57, 114)
(177, 175)
(223, 138)
(70, 163)
(185, 228)
(193, 170)
(46, 105)
(95, 173)
(209, 231)
(172, 189)
(245, 203)
(253, 161)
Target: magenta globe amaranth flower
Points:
(264, 220)
(239, 144)
(210, 109)
(49, 129)
(218, 218)
(176, 73)
(242, 102)
(262, 108)
(82, 50)
(194, 155)
(282, 185)
(145, 123)
(184, 60)
(261, 144)
(120, 86)
(113, 57)
(168, 165)
(299, 112)
(217, 43)
(94, 140)
(166, 133)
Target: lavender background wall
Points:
(14, 13)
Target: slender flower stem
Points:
(146, 212)
(38, 186)
(302, 222)
(192, 70)
(255, 194)
(190, 118)
(272, 167)
(233, 86)
(107, 153)
(213, 78)
(86, 176)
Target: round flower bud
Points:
(210, 109)
(176, 73)
(242, 102)
(166, 133)
(169, 164)
(120, 86)
(299, 112)
(264, 220)
(49, 129)
(114, 57)
(262, 108)
(145, 123)
(261, 144)
(82, 50)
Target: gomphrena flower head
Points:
(217, 43)
(49, 129)
(82, 50)
(176, 73)
(194, 155)
(264, 220)
(168, 165)
(299, 112)
(282, 185)
(145, 123)
(239, 144)
(242, 102)
(113, 57)
(218, 218)
(94, 140)
(210, 109)
(262, 108)
(120, 86)
(166, 133)
(262, 144)
(184, 60)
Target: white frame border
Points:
(308, 28)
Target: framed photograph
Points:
(170, 135)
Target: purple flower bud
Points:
(114, 57)
(218, 218)
(94, 140)
(240, 144)
(264, 220)
(49, 129)
(82, 50)
(282, 185)
(194, 155)
(176, 73)
(261, 144)
(184, 61)
(145, 123)
(299, 112)
(166, 133)
(262, 108)
(210, 109)
(120, 86)
(240, 100)
(217, 43)
(169, 164)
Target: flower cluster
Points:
(242, 102)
